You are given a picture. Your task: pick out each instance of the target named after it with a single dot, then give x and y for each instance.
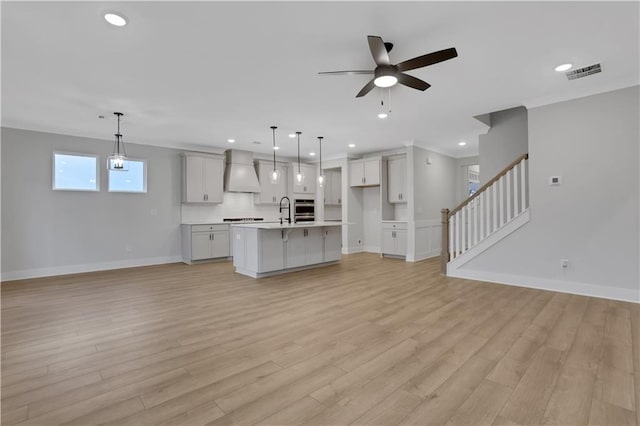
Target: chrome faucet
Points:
(288, 209)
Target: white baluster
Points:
(463, 248)
(495, 206)
(481, 231)
(508, 179)
(501, 201)
(458, 233)
(451, 239)
(523, 182)
(487, 209)
(516, 202)
(475, 221)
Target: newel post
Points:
(444, 254)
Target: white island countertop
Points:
(277, 225)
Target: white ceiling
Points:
(198, 73)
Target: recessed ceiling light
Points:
(312, 154)
(462, 143)
(352, 145)
(563, 67)
(276, 148)
(383, 115)
(114, 19)
(292, 135)
(231, 140)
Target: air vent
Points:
(583, 72)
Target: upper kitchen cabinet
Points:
(270, 193)
(333, 188)
(202, 178)
(365, 172)
(397, 177)
(308, 185)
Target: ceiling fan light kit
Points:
(387, 75)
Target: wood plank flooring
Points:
(370, 341)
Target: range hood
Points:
(239, 173)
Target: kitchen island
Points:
(263, 249)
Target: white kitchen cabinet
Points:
(397, 178)
(202, 178)
(305, 246)
(394, 238)
(308, 185)
(332, 243)
(201, 242)
(272, 251)
(333, 188)
(270, 193)
(364, 172)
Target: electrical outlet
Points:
(564, 263)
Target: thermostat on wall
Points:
(555, 180)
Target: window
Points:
(75, 172)
(134, 179)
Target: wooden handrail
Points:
(488, 184)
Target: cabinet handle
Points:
(339, 201)
(213, 236)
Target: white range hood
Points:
(239, 173)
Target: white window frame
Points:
(75, 154)
(144, 177)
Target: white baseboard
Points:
(89, 267)
(351, 250)
(582, 289)
(372, 249)
(423, 256)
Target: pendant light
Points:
(299, 175)
(274, 176)
(321, 178)
(117, 160)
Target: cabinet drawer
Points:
(205, 228)
(394, 225)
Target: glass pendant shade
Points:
(300, 177)
(274, 176)
(321, 180)
(118, 160)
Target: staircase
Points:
(496, 210)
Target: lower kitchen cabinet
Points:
(203, 242)
(305, 246)
(394, 238)
(332, 243)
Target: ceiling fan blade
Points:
(428, 59)
(355, 72)
(378, 50)
(411, 81)
(366, 89)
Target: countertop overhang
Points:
(254, 225)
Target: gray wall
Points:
(46, 232)
(461, 176)
(506, 140)
(592, 218)
(434, 185)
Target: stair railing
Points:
(496, 203)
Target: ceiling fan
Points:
(386, 75)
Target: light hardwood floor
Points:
(369, 342)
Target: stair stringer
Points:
(507, 229)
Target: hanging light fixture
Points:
(299, 175)
(274, 176)
(321, 178)
(117, 160)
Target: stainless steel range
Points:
(243, 219)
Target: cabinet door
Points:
(220, 246)
(309, 186)
(332, 243)
(336, 188)
(200, 245)
(314, 246)
(397, 180)
(296, 247)
(280, 189)
(372, 172)
(401, 242)
(267, 193)
(356, 173)
(327, 189)
(271, 250)
(213, 178)
(388, 241)
(194, 170)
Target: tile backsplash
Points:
(234, 204)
